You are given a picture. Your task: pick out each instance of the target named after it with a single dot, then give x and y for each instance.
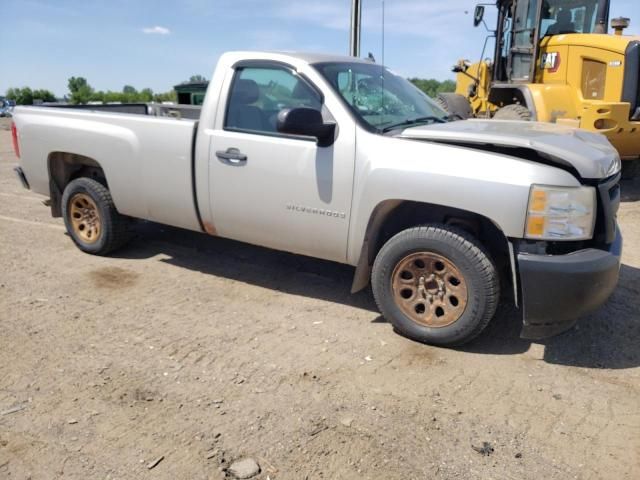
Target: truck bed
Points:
(147, 158)
(155, 109)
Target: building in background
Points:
(191, 93)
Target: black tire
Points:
(479, 273)
(455, 104)
(514, 112)
(114, 230)
(630, 169)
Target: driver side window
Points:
(258, 94)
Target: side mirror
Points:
(307, 122)
(478, 15)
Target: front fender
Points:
(494, 186)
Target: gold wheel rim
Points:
(85, 218)
(429, 289)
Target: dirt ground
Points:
(199, 351)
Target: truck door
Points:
(276, 190)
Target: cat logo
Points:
(550, 61)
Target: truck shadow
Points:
(606, 339)
(272, 269)
(630, 190)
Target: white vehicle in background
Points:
(340, 159)
(6, 108)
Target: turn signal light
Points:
(535, 227)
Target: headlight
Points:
(616, 165)
(560, 213)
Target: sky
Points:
(159, 43)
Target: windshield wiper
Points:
(414, 121)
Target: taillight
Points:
(14, 136)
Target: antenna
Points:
(383, 33)
(354, 34)
(382, 64)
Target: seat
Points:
(301, 96)
(242, 114)
(563, 24)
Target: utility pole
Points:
(354, 38)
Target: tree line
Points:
(433, 87)
(26, 96)
(80, 92)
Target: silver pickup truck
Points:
(342, 159)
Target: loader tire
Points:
(456, 105)
(514, 112)
(630, 169)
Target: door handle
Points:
(231, 156)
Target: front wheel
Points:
(436, 284)
(91, 217)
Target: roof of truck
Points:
(308, 57)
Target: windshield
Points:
(569, 16)
(378, 97)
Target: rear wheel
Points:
(513, 112)
(455, 104)
(91, 217)
(436, 284)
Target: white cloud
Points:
(157, 30)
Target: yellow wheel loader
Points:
(554, 62)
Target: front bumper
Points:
(558, 289)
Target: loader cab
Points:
(522, 24)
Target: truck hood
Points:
(590, 154)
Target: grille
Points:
(609, 202)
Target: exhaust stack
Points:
(619, 24)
